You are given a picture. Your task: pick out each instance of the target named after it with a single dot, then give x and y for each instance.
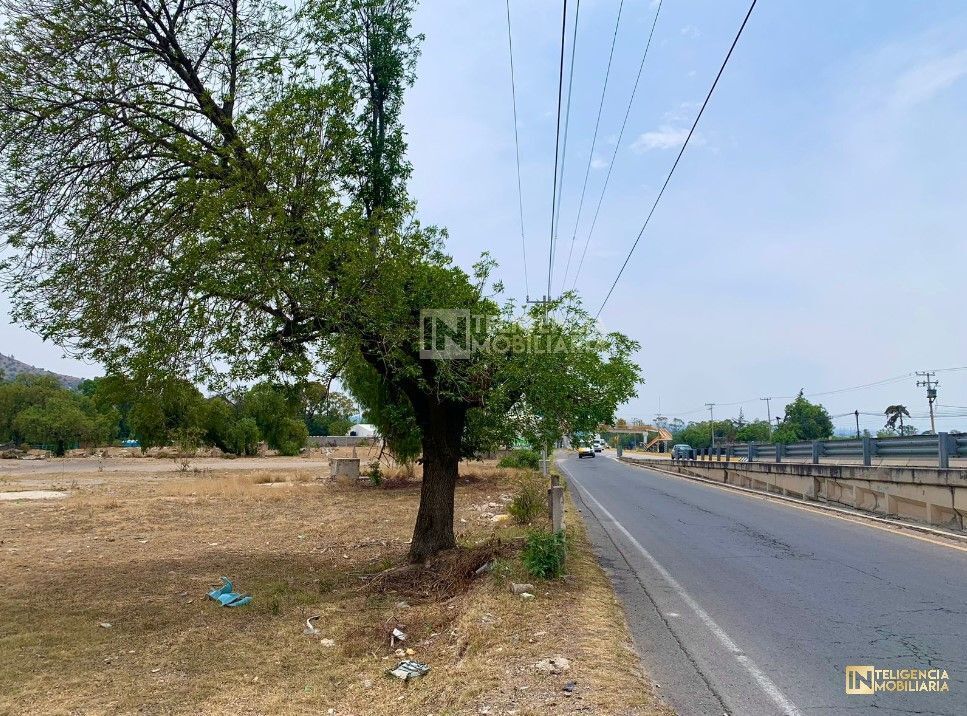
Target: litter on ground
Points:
(311, 629)
(409, 669)
(227, 597)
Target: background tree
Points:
(63, 420)
(894, 414)
(757, 430)
(23, 392)
(217, 192)
(804, 421)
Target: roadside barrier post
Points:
(944, 448)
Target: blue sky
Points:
(812, 237)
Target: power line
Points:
(617, 146)
(567, 121)
(594, 140)
(557, 146)
(680, 153)
(520, 192)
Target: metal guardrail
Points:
(942, 447)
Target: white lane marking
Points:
(764, 682)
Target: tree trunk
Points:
(442, 426)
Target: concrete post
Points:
(779, 451)
(945, 446)
(817, 451)
(556, 494)
(867, 450)
(752, 451)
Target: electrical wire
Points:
(617, 146)
(671, 172)
(567, 122)
(594, 140)
(520, 192)
(557, 146)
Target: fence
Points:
(942, 447)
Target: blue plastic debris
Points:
(227, 597)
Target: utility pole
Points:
(768, 413)
(543, 300)
(857, 414)
(711, 414)
(931, 386)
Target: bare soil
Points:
(137, 548)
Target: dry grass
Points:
(139, 552)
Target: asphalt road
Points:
(743, 605)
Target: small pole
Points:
(857, 414)
(931, 386)
(768, 414)
(711, 413)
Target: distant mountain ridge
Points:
(12, 367)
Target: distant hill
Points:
(12, 367)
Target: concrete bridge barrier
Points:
(930, 495)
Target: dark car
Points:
(682, 452)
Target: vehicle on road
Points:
(598, 445)
(682, 451)
(585, 451)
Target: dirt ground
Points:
(137, 549)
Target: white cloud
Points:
(928, 79)
(691, 31)
(665, 137)
(598, 163)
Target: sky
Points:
(811, 238)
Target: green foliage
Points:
(244, 437)
(894, 414)
(390, 411)
(375, 473)
(522, 459)
(545, 553)
(758, 431)
(326, 412)
(277, 412)
(785, 434)
(263, 239)
(530, 499)
(162, 408)
(38, 410)
(699, 434)
(805, 421)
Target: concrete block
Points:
(344, 468)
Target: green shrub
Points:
(530, 500)
(291, 436)
(375, 473)
(544, 554)
(244, 437)
(521, 459)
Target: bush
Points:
(544, 554)
(375, 473)
(522, 460)
(291, 436)
(530, 501)
(244, 437)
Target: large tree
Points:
(217, 190)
